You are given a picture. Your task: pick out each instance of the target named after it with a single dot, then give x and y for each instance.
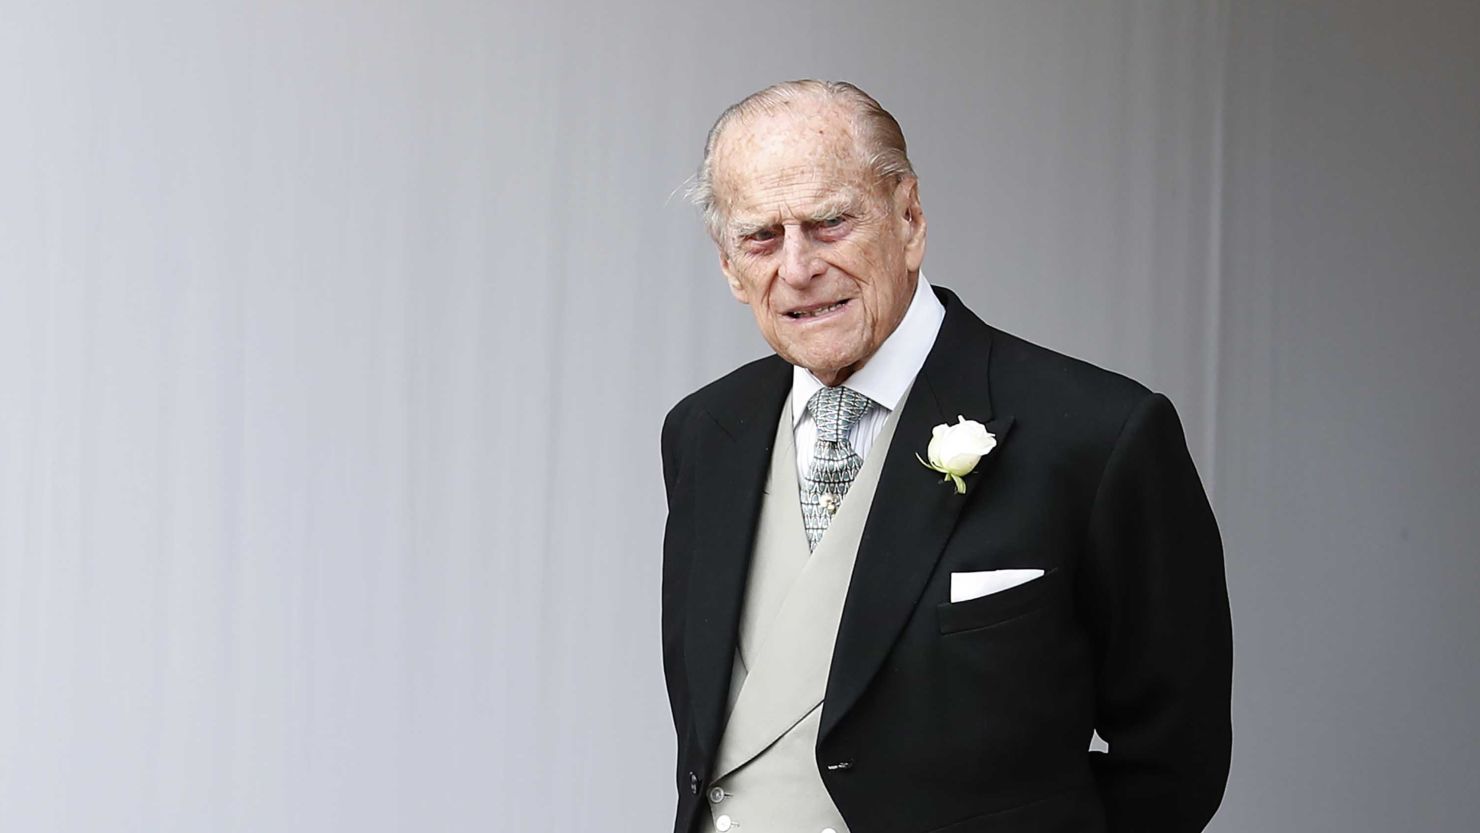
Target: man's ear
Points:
(912, 221)
(736, 287)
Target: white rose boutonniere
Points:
(955, 449)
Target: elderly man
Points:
(913, 563)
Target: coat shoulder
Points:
(1035, 382)
(1032, 380)
(729, 393)
(1060, 374)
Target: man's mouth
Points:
(817, 311)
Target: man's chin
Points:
(830, 371)
(823, 360)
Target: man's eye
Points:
(761, 236)
(831, 222)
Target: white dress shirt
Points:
(884, 378)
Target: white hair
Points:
(873, 126)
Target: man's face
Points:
(826, 257)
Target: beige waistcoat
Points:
(766, 778)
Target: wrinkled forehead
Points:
(801, 151)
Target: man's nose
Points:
(799, 260)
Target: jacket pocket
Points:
(995, 608)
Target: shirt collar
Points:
(888, 373)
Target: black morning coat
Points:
(977, 716)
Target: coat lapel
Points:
(734, 452)
(913, 511)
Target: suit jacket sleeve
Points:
(676, 537)
(674, 573)
(1155, 593)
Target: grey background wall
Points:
(335, 338)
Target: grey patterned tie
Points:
(834, 462)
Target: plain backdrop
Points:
(335, 339)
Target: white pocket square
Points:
(967, 586)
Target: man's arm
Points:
(1158, 611)
(676, 535)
